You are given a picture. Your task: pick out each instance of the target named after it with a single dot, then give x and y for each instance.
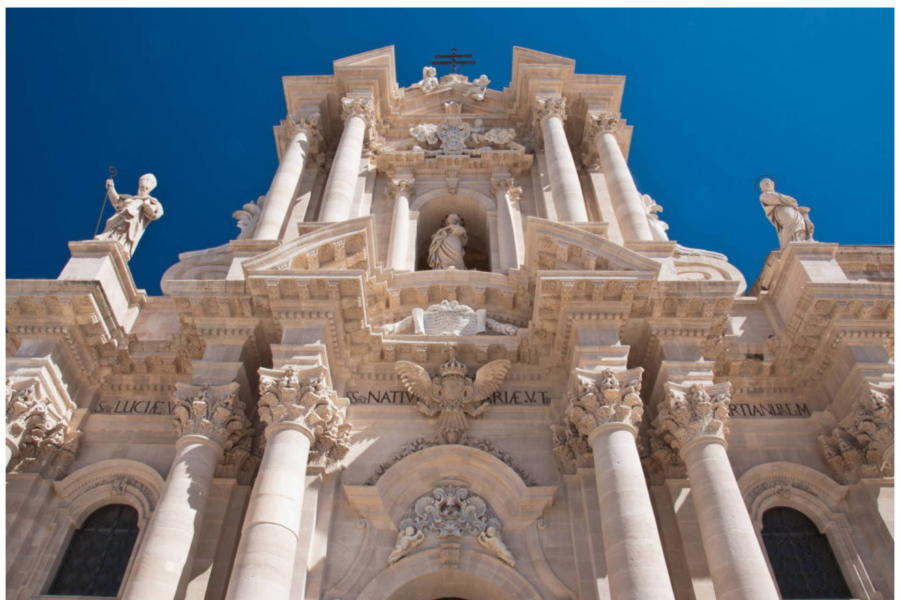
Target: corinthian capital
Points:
(605, 122)
(303, 398)
(215, 412)
(358, 107)
(608, 399)
(401, 185)
(39, 439)
(691, 413)
(550, 107)
(508, 187)
(862, 445)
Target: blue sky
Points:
(718, 97)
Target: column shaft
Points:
(281, 192)
(736, 563)
(398, 258)
(341, 186)
(627, 203)
(264, 565)
(506, 233)
(634, 555)
(564, 182)
(165, 557)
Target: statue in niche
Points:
(791, 221)
(658, 227)
(478, 88)
(448, 244)
(133, 213)
(429, 81)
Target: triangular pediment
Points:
(379, 57)
(527, 56)
(552, 246)
(349, 245)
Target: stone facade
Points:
(452, 352)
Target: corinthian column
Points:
(627, 202)
(510, 243)
(564, 182)
(693, 420)
(398, 254)
(607, 412)
(341, 186)
(281, 192)
(208, 420)
(300, 410)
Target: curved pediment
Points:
(552, 246)
(348, 245)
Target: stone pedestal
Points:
(281, 192)
(341, 186)
(693, 420)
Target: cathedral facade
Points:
(453, 353)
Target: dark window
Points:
(98, 554)
(801, 557)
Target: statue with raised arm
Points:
(133, 213)
(478, 88)
(791, 220)
(429, 81)
(448, 244)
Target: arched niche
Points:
(818, 497)
(476, 576)
(516, 504)
(479, 214)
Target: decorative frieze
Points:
(292, 395)
(448, 512)
(214, 412)
(694, 412)
(862, 445)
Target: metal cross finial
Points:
(453, 62)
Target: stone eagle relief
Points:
(452, 395)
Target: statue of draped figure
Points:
(448, 244)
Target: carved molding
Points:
(862, 444)
(214, 412)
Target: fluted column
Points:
(506, 193)
(627, 202)
(607, 412)
(693, 420)
(398, 255)
(565, 184)
(208, 419)
(300, 410)
(341, 186)
(287, 176)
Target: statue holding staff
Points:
(133, 213)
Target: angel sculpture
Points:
(452, 395)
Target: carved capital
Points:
(402, 185)
(862, 444)
(358, 107)
(212, 411)
(550, 107)
(508, 187)
(40, 440)
(302, 397)
(608, 399)
(692, 413)
(604, 122)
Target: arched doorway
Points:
(449, 584)
(476, 222)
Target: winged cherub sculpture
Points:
(451, 395)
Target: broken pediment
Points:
(349, 245)
(552, 246)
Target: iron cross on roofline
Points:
(453, 56)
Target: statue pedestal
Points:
(105, 262)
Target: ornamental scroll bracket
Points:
(450, 512)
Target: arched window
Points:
(98, 554)
(801, 557)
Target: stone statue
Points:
(791, 220)
(429, 80)
(479, 88)
(452, 395)
(448, 244)
(658, 227)
(407, 539)
(490, 540)
(133, 213)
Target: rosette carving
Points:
(304, 398)
(212, 411)
(862, 445)
(690, 413)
